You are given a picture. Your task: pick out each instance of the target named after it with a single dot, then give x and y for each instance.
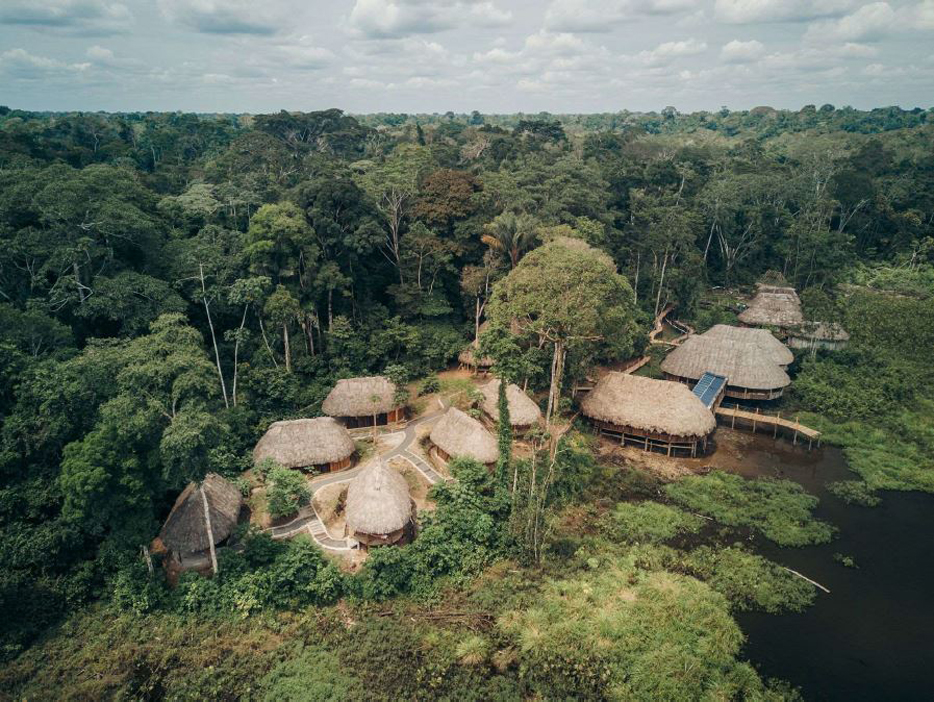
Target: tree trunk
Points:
(661, 282)
(262, 330)
(217, 356)
(236, 355)
(557, 371)
(635, 287)
(285, 344)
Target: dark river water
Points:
(872, 637)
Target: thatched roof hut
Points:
(186, 529)
(302, 443)
(749, 372)
(468, 356)
(648, 406)
(458, 434)
(773, 307)
(826, 335)
(768, 345)
(523, 412)
(378, 507)
(363, 398)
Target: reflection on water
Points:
(872, 638)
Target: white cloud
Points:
(19, 63)
(742, 51)
(589, 16)
(664, 54)
(382, 19)
(496, 55)
(752, 11)
(229, 16)
(868, 23)
(68, 16)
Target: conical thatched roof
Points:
(458, 434)
(298, 443)
(774, 307)
(378, 501)
(353, 397)
(523, 411)
(743, 364)
(821, 331)
(185, 530)
(656, 406)
(469, 355)
(768, 345)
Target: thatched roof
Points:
(458, 434)
(523, 411)
(774, 307)
(304, 442)
(742, 363)
(378, 501)
(656, 406)
(770, 347)
(185, 530)
(353, 397)
(469, 356)
(820, 331)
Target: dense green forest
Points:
(172, 283)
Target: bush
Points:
(779, 509)
(855, 492)
(286, 492)
(648, 521)
(313, 675)
(429, 385)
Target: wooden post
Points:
(669, 447)
(646, 442)
(148, 559)
(794, 441)
(733, 420)
(754, 421)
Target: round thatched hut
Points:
(523, 412)
(321, 443)
(361, 402)
(203, 516)
(818, 335)
(773, 307)
(469, 356)
(458, 434)
(379, 509)
(651, 414)
(750, 373)
(763, 339)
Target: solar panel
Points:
(708, 388)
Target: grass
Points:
(648, 521)
(750, 581)
(855, 492)
(780, 510)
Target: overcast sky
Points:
(461, 55)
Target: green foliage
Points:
(749, 581)
(855, 492)
(429, 385)
(779, 509)
(314, 674)
(622, 633)
(503, 432)
(648, 521)
(845, 561)
(286, 492)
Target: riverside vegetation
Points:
(173, 283)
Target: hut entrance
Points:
(660, 443)
(382, 419)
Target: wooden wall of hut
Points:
(391, 417)
(649, 441)
(733, 391)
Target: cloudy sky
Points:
(439, 55)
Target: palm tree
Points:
(510, 234)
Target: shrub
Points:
(855, 492)
(430, 385)
(648, 521)
(286, 492)
(313, 675)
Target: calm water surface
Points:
(872, 637)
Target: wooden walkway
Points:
(775, 422)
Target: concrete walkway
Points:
(308, 521)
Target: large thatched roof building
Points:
(469, 356)
(458, 434)
(357, 402)
(378, 508)
(768, 345)
(523, 412)
(321, 443)
(818, 335)
(203, 516)
(652, 414)
(773, 307)
(750, 373)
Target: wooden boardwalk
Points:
(773, 422)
